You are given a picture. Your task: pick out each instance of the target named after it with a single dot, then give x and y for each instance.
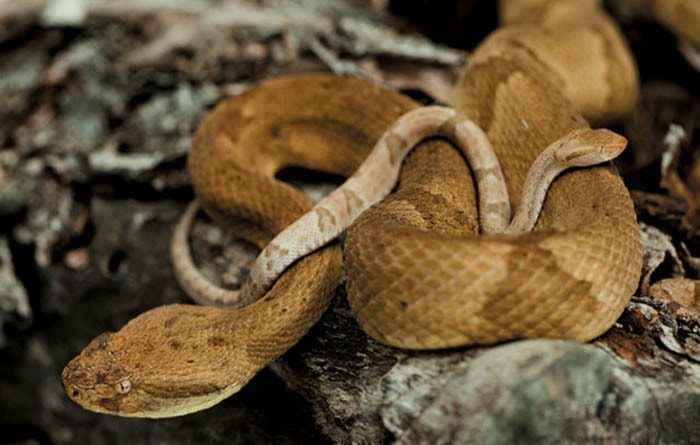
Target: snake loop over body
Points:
(374, 179)
(418, 273)
(371, 182)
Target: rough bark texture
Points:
(95, 121)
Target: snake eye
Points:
(123, 387)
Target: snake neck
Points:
(542, 173)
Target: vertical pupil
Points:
(123, 386)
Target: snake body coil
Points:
(418, 273)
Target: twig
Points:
(672, 140)
(343, 27)
(338, 66)
(693, 262)
(364, 38)
(691, 53)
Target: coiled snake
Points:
(419, 275)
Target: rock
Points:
(129, 272)
(15, 311)
(538, 391)
(19, 77)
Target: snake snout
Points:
(607, 144)
(588, 147)
(75, 380)
(611, 143)
(96, 370)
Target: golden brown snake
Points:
(418, 273)
(374, 179)
(371, 182)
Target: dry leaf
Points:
(683, 291)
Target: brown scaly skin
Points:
(681, 16)
(418, 276)
(572, 277)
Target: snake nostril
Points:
(75, 393)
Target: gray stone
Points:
(14, 305)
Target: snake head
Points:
(96, 373)
(168, 361)
(587, 147)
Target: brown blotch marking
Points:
(115, 373)
(511, 293)
(484, 172)
(109, 404)
(216, 341)
(99, 343)
(490, 76)
(449, 127)
(274, 131)
(396, 145)
(352, 201)
(284, 252)
(271, 249)
(170, 321)
(175, 345)
(100, 378)
(333, 126)
(529, 75)
(498, 208)
(325, 219)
